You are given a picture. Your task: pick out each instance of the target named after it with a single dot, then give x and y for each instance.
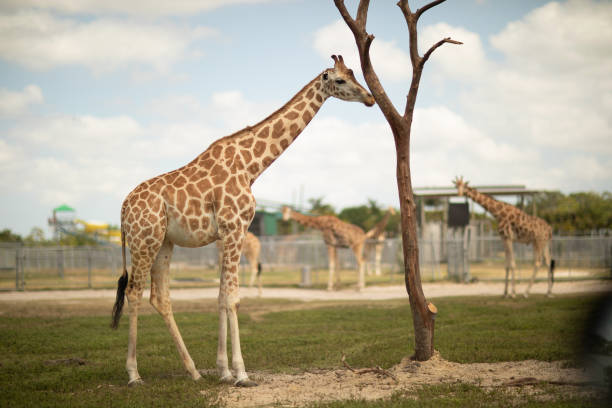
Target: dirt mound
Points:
(341, 384)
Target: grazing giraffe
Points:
(207, 200)
(336, 234)
(516, 225)
(378, 246)
(250, 250)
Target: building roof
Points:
(439, 192)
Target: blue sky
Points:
(97, 96)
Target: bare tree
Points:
(423, 312)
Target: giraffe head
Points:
(461, 185)
(286, 211)
(340, 82)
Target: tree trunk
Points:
(422, 316)
(423, 313)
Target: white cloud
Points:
(572, 37)
(465, 62)
(14, 103)
(341, 161)
(40, 41)
(544, 105)
(132, 7)
(390, 61)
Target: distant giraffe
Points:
(250, 250)
(207, 200)
(516, 225)
(378, 246)
(336, 234)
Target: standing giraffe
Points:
(207, 200)
(379, 236)
(515, 225)
(336, 234)
(250, 249)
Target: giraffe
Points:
(378, 246)
(210, 199)
(250, 250)
(336, 234)
(515, 225)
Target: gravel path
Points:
(432, 290)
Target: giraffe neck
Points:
(305, 220)
(380, 226)
(262, 143)
(490, 204)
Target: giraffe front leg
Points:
(225, 374)
(510, 267)
(358, 249)
(378, 250)
(535, 272)
(331, 252)
(228, 305)
(242, 379)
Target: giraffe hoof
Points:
(525, 295)
(245, 383)
(228, 379)
(135, 383)
(550, 295)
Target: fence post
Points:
(60, 262)
(89, 267)
(17, 267)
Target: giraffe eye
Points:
(340, 81)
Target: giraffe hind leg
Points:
(140, 270)
(160, 300)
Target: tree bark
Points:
(423, 312)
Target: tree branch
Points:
(364, 41)
(427, 7)
(436, 45)
(362, 13)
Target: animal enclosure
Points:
(286, 258)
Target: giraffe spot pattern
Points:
(307, 116)
(216, 151)
(278, 129)
(264, 133)
(292, 115)
(259, 148)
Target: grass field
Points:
(62, 353)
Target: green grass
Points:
(304, 336)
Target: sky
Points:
(98, 96)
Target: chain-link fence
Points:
(284, 258)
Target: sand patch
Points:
(342, 384)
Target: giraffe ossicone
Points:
(514, 225)
(209, 200)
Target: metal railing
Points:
(24, 267)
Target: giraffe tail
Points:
(258, 268)
(121, 285)
(552, 270)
